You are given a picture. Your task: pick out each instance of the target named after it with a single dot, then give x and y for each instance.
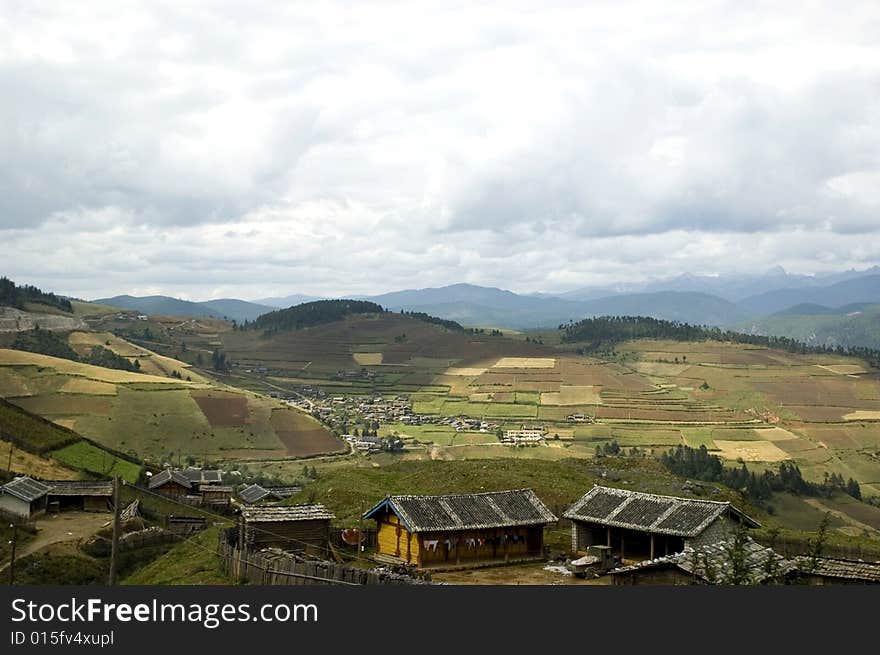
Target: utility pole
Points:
(114, 554)
(9, 463)
(12, 557)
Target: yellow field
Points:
(368, 359)
(572, 394)
(67, 367)
(525, 362)
(465, 372)
(91, 387)
(660, 368)
(751, 451)
(776, 434)
(862, 415)
(82, 341)
(29, 464)
(844, 369)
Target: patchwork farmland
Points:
(741, 402)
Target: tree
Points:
(818, 545)
(737, 559)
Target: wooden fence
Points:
(277, 567)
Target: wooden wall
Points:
(311, 536)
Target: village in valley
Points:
(514, 463)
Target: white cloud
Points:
(206, 149)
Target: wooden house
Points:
(460, 529)
(81, 495)
(215, 495)
(304, 528)
(709, 564)
(24, 498)
(171, 483)
(645, 526)
(836, 571)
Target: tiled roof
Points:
(253, 493)
(203, 476)
(497, 509)
(635, 510)
(843, 569)
(283, 492)
(694, 561)
(26, 489)
(169, 475)
(263, 513)
(80, 488)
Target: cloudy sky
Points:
(266, 148)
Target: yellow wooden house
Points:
(460, 529)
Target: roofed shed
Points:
(293, 527)
(24, 497)
(460, 529)
(647, 525)
(171, 483)
(83, 495)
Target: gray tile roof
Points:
(169, 475)
(203, 476)
(265, 513)
(497, 509)
(842, 569)
(26, 489)
(635, 510)
(693, 561)
(253, 493)
(80, 488)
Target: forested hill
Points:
(12, 295)
(427, 318)
(313, 313)
(598, 334)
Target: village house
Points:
(709, 564)
(524, 435)
(836, 571)
(460, 529)
(171, 483)
(24, 498)
(302, 528)
(80, 495)
(644, 526)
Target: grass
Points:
(87, 457)
(194, 561)
(32, 432)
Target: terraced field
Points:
(155, 417)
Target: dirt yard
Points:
(518, 574)
(67, 526)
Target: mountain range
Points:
(756, 303)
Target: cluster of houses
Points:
(24, 498)
(525, 434)
(634, 537)
(642, 538)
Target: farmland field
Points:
(84, 456)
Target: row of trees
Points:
(699, 464)
(600, 334)
(12, 295)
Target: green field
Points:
(86, 457)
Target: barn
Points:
(24, 497)
(304, 528)
(640, 526)
(82, 495)
(460, 529)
